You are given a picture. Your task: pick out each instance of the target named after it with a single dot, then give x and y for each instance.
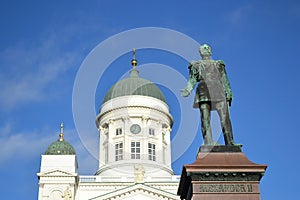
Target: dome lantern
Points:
(134, 85)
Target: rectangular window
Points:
(151, 152)
(135, 150)
(151, 131)
(118, 131)
(119, 151)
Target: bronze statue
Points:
(213, 93)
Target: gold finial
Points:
(134, 61)
(61, 135)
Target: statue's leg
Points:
(205, 123)
(222, 109)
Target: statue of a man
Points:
(67, 194)
(213, 93)
(139, 172)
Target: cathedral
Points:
(134, 125)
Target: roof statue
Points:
(67, 194)
(213, 93)
(139, 172)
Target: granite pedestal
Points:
(221, 173)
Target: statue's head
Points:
(205, 50)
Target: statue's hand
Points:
(229, 98)
(229, 102)
(184, 92)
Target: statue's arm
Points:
(225, 81)
(191, 82)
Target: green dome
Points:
(60, 147)
(134, 85)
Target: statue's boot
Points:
(209, 142)
(228, 138)
(208, 138)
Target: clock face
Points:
(135, 129)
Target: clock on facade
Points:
(135, 129)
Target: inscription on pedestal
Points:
(225, 188)
(228, 175)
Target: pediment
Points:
(138, 191)
(56, 172)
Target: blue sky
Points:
(44, 43)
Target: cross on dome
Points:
(61, 135)
(134, 60)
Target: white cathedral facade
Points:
(134, 125)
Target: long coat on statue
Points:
(213, 82)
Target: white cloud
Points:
(5, 130)
(28, 67)
(22, 145)
(31, 145)
(26, 71)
